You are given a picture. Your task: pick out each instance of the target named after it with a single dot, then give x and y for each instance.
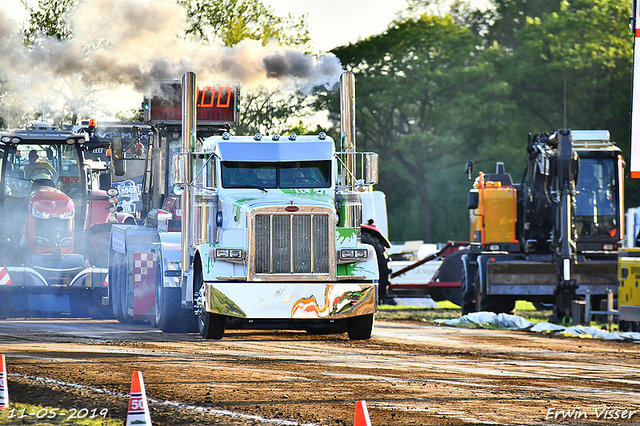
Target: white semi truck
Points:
(267, 233)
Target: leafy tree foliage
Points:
(434, 91)
(50, 19)
(427, 99)
(231, 21)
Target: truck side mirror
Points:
(371, 176)
(473, 200)
(104, 181)
(117, 156)
(469, 168)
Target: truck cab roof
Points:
(274, 148)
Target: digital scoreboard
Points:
(216, 104)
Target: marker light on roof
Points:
(226, 136)
(6, 139)
(276, 137)
(322, 136)
(71, 141)
(292, 137)
(258, 137)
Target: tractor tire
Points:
(97, 243)
(384, 270)
(497, 304)
(468, 300)
(210, 325)
(170, 316)
(451, 270)
(118, 286)
(491, 303)
(114, 288)
(360, 328)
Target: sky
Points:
(338, 22)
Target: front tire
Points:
(210, 325)
(360, 328)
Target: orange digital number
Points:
(228, 93)
(203, 95)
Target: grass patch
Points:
(24, 414)
(449, 310)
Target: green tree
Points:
(231, 21)
(572, 67)
(50, 19)
(427, 99)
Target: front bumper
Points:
(308, 301)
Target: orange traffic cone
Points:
(4, 387)
(138, 413)
(362, 415)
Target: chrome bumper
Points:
(291, 300)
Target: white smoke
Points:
(129, 44)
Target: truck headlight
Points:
(354, 254)
(229, 254)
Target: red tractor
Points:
(54, 224)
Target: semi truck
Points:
(553, 237)
(55, 215)
(247, 231)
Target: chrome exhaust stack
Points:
(348, 198)
(348, 125)
(189, 89)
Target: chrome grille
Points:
(292, 243)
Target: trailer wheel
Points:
(360, 328)
(210, 326)
(384, 271)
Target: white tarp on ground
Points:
(513, 322)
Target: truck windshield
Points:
(298, 174)
(597, 198)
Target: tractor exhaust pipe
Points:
(188, 146)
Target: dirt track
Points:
(408, 374)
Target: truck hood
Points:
(240, 202)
